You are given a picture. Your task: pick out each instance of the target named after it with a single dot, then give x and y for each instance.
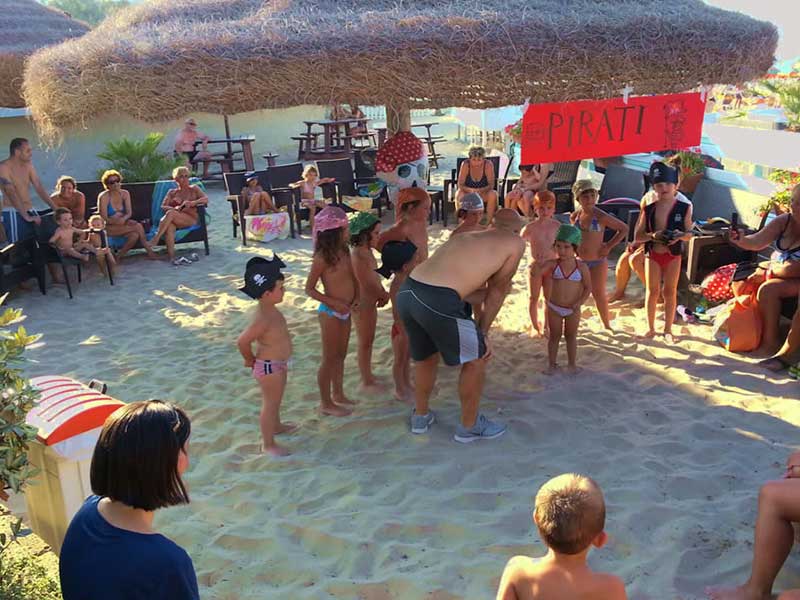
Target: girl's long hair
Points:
(330, 244)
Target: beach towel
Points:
(265, 228)
(737, 327)
(359, 203)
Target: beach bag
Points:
(737, 327)
(716, 286)
(359, 203)
(265, 228)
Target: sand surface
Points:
(679, 437)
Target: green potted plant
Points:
(140, 160)
(781, 198)
(692, 169)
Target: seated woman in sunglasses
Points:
(180, 211)
(114, 205)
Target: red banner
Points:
(558, 132)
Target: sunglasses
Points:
(113, 181)
(182, 177)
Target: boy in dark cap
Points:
(664, 223)
(263, 281)
(397, 260)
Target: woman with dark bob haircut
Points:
(111, 549)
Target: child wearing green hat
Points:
(364, 231)
(567, 284)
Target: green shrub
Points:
(139, 160)
(23, 578)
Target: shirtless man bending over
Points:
(16, 176)
(432, 305)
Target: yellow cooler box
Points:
(69, 417)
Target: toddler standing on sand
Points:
(567, 283)
(364, 231)
(331, 264)
(263, 281)
(570, 514)
(540, 234)
(397, 258)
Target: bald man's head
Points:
(507, 220)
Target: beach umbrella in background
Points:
(25, 27)
(166, 58)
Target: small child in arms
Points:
(364, 231)
(532, 178)
(69, 240)
(332, 265)
(98, 238)
(308, 187)
(541, 235)
(398, 260)
(263, 281)
(570, 514)
(470, 214)
(567, 284)
(257, 201)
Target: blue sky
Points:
(783, 13)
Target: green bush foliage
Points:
(139, 160)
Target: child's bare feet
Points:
(405, 396)
(373, 387)
(276, 450)
(617, 296)
(670, 338)
(344, 400)
(647, 336)
(287, 427)
(739, 593)
(551, 369)
(334, 410)
(535, 332)
(573, 369)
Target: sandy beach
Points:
(680, 437)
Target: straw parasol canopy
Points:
(25, 27)
(166, 58)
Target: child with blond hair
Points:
(570, 514)
(308, 191)
(263, 281)
(69, 240)
(541, 235)
(364, 231)
(567, 284)
(332, 265)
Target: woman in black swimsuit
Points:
(477, 175)
(783, 281)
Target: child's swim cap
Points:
(361, 221)
(472, 202)
(570, 234)
(395, 255)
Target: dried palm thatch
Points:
(166, 58)
(25, 27)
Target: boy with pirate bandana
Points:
(263, 281)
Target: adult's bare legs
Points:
(769, 296)
(792, 343)
(490, 200)
(622, 275)
(169, 239)
(470, 388)
(424, 379)
(778, 507)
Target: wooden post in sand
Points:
(398, 118)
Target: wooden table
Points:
(382, 131)
(335, 145)
(227, 157)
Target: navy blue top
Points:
(99, 561)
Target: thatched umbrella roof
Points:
(166, 58)
(25, 27)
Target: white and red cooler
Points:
(69, 417)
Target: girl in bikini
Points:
(257, 201)
(593, 250)
(364, 231)
(332, 265)
(664, 223)
(567, 284)
(308, 187)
